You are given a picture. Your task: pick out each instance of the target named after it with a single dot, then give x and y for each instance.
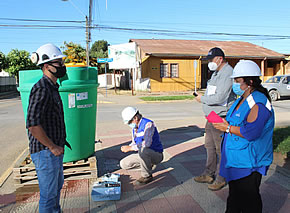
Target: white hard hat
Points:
(246, 68)
(128, 113)
(46, 53)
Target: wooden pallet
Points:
(25, 173)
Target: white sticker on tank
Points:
(85, 106)
(71, 100)
(82, 96)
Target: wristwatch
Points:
(228, 129)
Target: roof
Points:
(171, 47)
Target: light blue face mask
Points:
(132, 125)
(237, 89)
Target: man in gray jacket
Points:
(218, 97)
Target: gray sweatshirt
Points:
(219, 95)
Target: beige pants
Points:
(213, 148)
(144, 159)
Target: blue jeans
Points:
(49, 169)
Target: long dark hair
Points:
(255, 82)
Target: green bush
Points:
(281, 140)
(167, 98)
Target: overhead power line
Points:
(40, 20)
(177, 32)
(40, 26)
(166, 32)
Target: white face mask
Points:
(132, 125)
(212, 66)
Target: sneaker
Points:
(204, 179)
(144, 180)
(216, 186)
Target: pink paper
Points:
(214, 118)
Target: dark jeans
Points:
(244, 195)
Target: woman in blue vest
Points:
(247, 149)
(145, 140)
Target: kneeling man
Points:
(145, 140)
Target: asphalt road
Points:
(13, 138)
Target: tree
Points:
(75, 53)
(99, 50)
(18, 60)
(3, 61)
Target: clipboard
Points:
(214, 118)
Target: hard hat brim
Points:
(240, 76)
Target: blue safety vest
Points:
(242, 153)
(139, 136)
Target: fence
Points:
(7, 84)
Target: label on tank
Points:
(71, 100)
(85, 106)
(82, 96)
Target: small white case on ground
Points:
(107, 188)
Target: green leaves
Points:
(75, 53)
(3, 61)
(17, 60)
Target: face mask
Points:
(132, 125)
(237, 89)
(212, 66)
(60, 71)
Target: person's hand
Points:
(57, 150)
(198, 98)
(221, 126)
(125, 148)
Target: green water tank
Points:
(78, 91)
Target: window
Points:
(275, 79)
(174, 70)
(169, 71)
(164, 71)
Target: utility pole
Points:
(87, 41)
(88, 32)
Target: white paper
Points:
(211, 90)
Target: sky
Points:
(26, 25)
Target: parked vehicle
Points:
(278, 86)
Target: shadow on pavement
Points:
(178, 144)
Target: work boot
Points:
(204, 179)
(144, 180)
(216, 186)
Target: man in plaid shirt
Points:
(46, 128)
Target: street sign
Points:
(104, 60)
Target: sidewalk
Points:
(173, 188)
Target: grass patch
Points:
(167, 98)
(281, 140)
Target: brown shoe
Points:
(216, 186)
(204, 179)
(144, 180)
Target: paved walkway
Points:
(173, 188)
